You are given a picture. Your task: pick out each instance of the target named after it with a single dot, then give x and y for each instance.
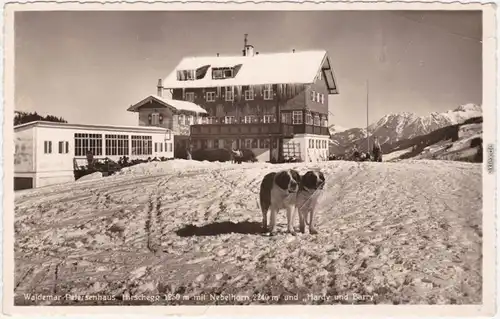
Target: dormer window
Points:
(217, 74)
(186, 75)
(222, 73)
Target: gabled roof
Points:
(176, 105)
(276, 68)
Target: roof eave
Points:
(335, 88)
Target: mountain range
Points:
(395, 127)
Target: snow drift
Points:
(407, 232)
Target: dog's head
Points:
(313, 180)
(288, 180)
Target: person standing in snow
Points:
(355, 153)
(377, 151)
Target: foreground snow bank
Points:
(406, 232)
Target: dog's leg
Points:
(272, 222)
(290, 216)
(312, 229)
(302, 220)
(264, 219)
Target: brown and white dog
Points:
(310, 190)
(278, 190)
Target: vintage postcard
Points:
(249, 159)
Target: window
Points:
(249, 94)
(320, 75)
(250, 119)
(309, 120)
(229, 93)
(318, 144)
(212, 120)
(228, 73)
(116, 144)
(311, 144)
(47, 147)
(156, 147)
(269, 118)
(61, 147)
(229, 120)
(255, 143)
(85, 142)
(190, 75)
(316, 120)
(268, 92)
(155, 118)
(313, 96)
(248, 143)
(222, 73)
(286, 118)
(210, 96)
(216, 143)
(67, 148)
(317, 97)
(170, 147)
(190, 120)
(189, 96)
(264, 143)
(322, 98)
(182, 119)
(325, 145)
(185, 75)
(142, 145)
(324, 121)
(297, 117)
(217, 74)
(161, 147)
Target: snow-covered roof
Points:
(174, 104)
(274, 68)
(148, 129)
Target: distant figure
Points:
(237, 156)
(90, 159)
(377, 151)
(355, 153)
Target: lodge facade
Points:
(275, 104)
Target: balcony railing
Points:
(264, 129)
(253, 129)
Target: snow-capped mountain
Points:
(400, 126)
(334, 128)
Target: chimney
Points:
(249, 51)
(293, 50)
(159, 88)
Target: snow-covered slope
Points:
(404, 125)
(193, 228)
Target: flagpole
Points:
(367, 121)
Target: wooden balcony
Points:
(242, 130)
(255, 129)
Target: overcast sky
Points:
(88, 67)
